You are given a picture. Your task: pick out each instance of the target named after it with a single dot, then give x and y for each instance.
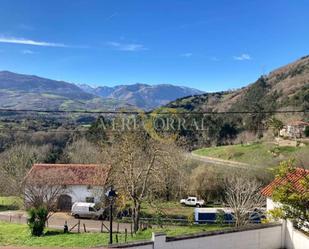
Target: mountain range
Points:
(142, 95)
(283, 88)
(19, 91)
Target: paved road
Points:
(58, 220)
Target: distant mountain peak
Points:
(142, 95)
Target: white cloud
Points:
(187, 55)
(23, 41)
(132, 47)
(27, 51)
(242, 57)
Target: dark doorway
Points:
(64, 203)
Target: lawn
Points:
(259, 154)
(167, 209)
(10, 203)
(18, 235)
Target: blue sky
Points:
(210, 45)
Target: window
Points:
(90, 199)
(91, 209)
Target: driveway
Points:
(58, 220)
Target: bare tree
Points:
(207, 183)
(43, 189)
(243, 196)
(15, 163)
(81, 151)
(137, 162)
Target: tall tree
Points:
(243, 196)
(137, 160)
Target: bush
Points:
(37, 220)
(220, 217)
(191, 219)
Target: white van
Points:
(86, 210)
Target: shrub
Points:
(191, 219)
(220, 217)
(37, 219)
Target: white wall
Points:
(269, 237)
(295, 239)
(80, 192)
(270, 204)
(266, 238)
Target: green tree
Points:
(275, 124)
(294, 200)
(37, 220)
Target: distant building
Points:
(294, 129)
(80, 182)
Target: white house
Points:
(294, 129)
(79, 182)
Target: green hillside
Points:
(258, 154)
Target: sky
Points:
(209, 45)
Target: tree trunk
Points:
(136, 215)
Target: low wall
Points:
(257, 237)
(264, 237)
(271, 236)
(295, 239)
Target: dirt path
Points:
(220, 162)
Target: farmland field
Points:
(260, 154)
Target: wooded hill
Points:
(284, 89)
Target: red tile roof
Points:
(294, 178)
(299, 123)
(69, 174)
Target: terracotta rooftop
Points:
(69, 174)
(299, 123)
(294, 178)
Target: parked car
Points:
(193, 202)
(87, 210)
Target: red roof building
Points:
(70, 174)
(78, 182)
(294, 178)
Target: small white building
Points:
(79, 182)
(294, 129)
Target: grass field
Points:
(167, 209)
(18, 235)
(261, 154)
(10, 203)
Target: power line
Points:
(149, 112)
